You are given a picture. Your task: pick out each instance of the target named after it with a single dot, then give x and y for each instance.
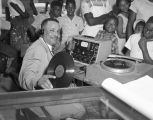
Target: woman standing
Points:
(19, 26)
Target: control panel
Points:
(88, 51)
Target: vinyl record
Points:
(61, 66)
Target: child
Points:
(55, 13)
(146, 42)
(139, 27)
(109, 33)
(123, 6)
(132, 43)
(56, 9)
(70, 24)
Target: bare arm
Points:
(120, 32)
(132, 18)
(16, 7)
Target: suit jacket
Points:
(34, 64)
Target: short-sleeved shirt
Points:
(133, 46)
(70, 27)
(143, 9)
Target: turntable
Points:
(123, 69)
(118, 66)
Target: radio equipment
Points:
(86, 50)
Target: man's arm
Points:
(132, 18)
(32, 71)
(143, 47)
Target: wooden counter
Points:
(26, 99)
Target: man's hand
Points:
(142, 43)
(44, 81)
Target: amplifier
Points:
(87, 50)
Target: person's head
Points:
(50, 31)
(148, 29)
(56, 8)
(123, 5)
(111, 24)
(70, 7)
(150, 0)
(139, 27)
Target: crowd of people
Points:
(37, 37)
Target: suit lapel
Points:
(49, 55)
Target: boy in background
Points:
(70, 24)
(55, 9)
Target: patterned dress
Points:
(18, 33)
(103, 35)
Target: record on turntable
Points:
(118, 65)
(61, 66)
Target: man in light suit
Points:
(34, 64)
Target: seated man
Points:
(34, 64)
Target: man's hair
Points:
(56, 3)
(71, 1)
(44, 22)
(150, 20)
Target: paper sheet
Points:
(138, 94)
(142, 87)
